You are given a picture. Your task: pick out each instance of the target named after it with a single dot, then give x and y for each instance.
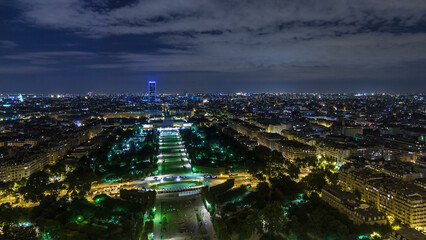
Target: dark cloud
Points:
(286, 40)
(7, 44)
(148, 16)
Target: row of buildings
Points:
(361, 212)
(294, 142)
(20, 161)
(398, 198)
(349, 204)
(290, 148)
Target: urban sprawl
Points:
(213, 166)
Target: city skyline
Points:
(212, 46)
(213, 166)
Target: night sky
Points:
(77, 46)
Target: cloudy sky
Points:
(112, 46)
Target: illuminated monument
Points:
(152, 91)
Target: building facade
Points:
(400, 199)
(348, 204)
(23, 169)
(152, 91)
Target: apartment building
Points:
(402, 200)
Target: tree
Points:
(293, 171)
(221, 229)
(277, 158)
(332, 178)
(271, 220)
(249, 226)
(18, 233)
(286, 188)
(6, 189)
(36, 186)
(56, 170)
(315, 181)
(55, 188)
(79, 181)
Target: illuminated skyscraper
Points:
(152, 91)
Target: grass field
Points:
(173, 156)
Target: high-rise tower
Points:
(152, 91)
